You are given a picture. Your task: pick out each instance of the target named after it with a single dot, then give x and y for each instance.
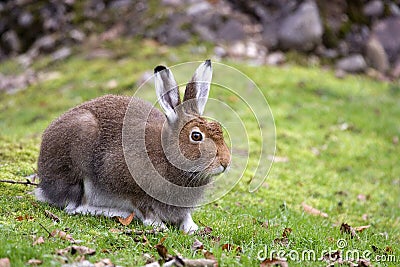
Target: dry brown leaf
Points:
(196, 262)
(197, 245)
(82, 250)
(286, 232)
(362, 228)
(389, 249)
(63, 251)
(205, 232)
(265, 224)
(162, 251)
(104, 263)
(230, 247)
(52, 216)
(34, 262)
(115, 230)
(313, 211)
(363, 263)
(162, 240)
(274, 262)
(333, 256)
(63, 235)
(5, 262)
(126, 221)
(347, 229)
(25, 217)
(38, 241)
(209, 255)
(282, 241)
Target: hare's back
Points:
(110, 110)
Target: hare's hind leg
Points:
(65, 158)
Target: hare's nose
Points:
(224, 165)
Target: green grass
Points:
(329, 165)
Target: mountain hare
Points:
(82, 166)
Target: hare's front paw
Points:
(188, 226)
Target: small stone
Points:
(302, 30)
(353, 64)
(340, 74)
(174, 3)
(376, 55)
(61, 53)
(77, 35)
(219, 51)
(275, 58)
(395, 140)
(11, 39)
(238, 49)
(25, 19)
(232, 30)
(374, 8)
(198, 8)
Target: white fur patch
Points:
(40, 196)
(98, 202)
(188, 225)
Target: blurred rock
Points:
(220, 51)
(357, 38)
(230, 31)
(204, 33)
(327, 52)
(198, 8)
(302, 30)
(353, 64)
(275, 58)
(118, 4)
(395, 73)
(394, 9)
(270, 35)
(25, 19)
(376, 56)
(174, 3)
(374, 8)
(387, 32)
(11, 41)
(14, 83)
(238, 49)
(77, 35)
(45, 44)
(61, 53)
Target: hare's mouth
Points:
(216, 171)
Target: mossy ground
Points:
(339, 138)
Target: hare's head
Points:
(190, 142)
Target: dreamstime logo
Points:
(340, 253)
(234, 101)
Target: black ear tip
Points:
(159, 68)
(208, 63)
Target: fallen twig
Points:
(27, 182)
(45, 229)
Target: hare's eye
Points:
(196, 136)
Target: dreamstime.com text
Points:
(329, 254)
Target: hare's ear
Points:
(198, 88)
(167, 92)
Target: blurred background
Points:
(352, 35)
